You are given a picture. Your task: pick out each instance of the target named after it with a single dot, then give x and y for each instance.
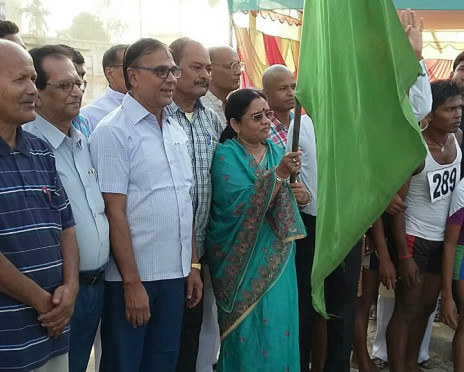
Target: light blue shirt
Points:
(101, 107)
(152, 167)
(79, 179)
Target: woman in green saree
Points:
(254, 220)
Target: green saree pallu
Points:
(250, 252)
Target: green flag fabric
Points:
(356, 67)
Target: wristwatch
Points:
(196, 266)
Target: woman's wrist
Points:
(280, 178)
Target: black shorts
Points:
(427, 254)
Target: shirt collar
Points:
(53, 135)
(21, 144)
(118, 96)
(137, 113)
(174, 107)
(278, 124)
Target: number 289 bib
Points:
(442, 182)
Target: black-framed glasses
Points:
(120, 65)
(68, 85)
(232, 66)
(162, 71)
(260, 115)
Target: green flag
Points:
(356, 67)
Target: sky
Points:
(194, 18)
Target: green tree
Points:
(88, 26)
(37, 14)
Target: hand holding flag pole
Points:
(296, 134)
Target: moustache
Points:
(203, 83)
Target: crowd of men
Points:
(131, 171)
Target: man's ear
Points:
(108, 74)
(131, 74)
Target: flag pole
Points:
(296, 133)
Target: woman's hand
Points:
(290, 163)
(301, 194)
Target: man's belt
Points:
(92, 277)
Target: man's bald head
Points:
(17, 84)
(273, 72)
(225, 71)
(279, 88)
(220, 51)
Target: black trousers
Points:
(190, 337)
(340, 296)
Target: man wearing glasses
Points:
(145, 174)
(60, 91)
(226, 69)
(112, 68)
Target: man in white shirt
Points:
(112, 68)
(58, 102)
(225, 78)
(145, 174)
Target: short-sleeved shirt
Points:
(98, 109)
(34, 209)
(150, 164)
(203, 131)
(80, 181)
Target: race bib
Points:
(442, 182)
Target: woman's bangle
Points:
(279, 179)
(309, 200)
(405, 257)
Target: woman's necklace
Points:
(256, 151)
(442, 147)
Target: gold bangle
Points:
(196, 266)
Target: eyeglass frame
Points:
(156, 70)
(230, 66)
(81, 84)
(258, 117)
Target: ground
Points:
(440, 348)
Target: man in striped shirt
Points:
(38, 249)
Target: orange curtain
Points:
(259, 51)
(439, 68)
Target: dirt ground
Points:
(440, 348)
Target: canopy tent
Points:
(248, 5)
(268, 32)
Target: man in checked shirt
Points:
(279, 88)
(203, 129)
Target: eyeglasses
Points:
(162, 71)
(232, 66)
(68, 85)
(260, 115)
(116, 65)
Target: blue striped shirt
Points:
(33, 211)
